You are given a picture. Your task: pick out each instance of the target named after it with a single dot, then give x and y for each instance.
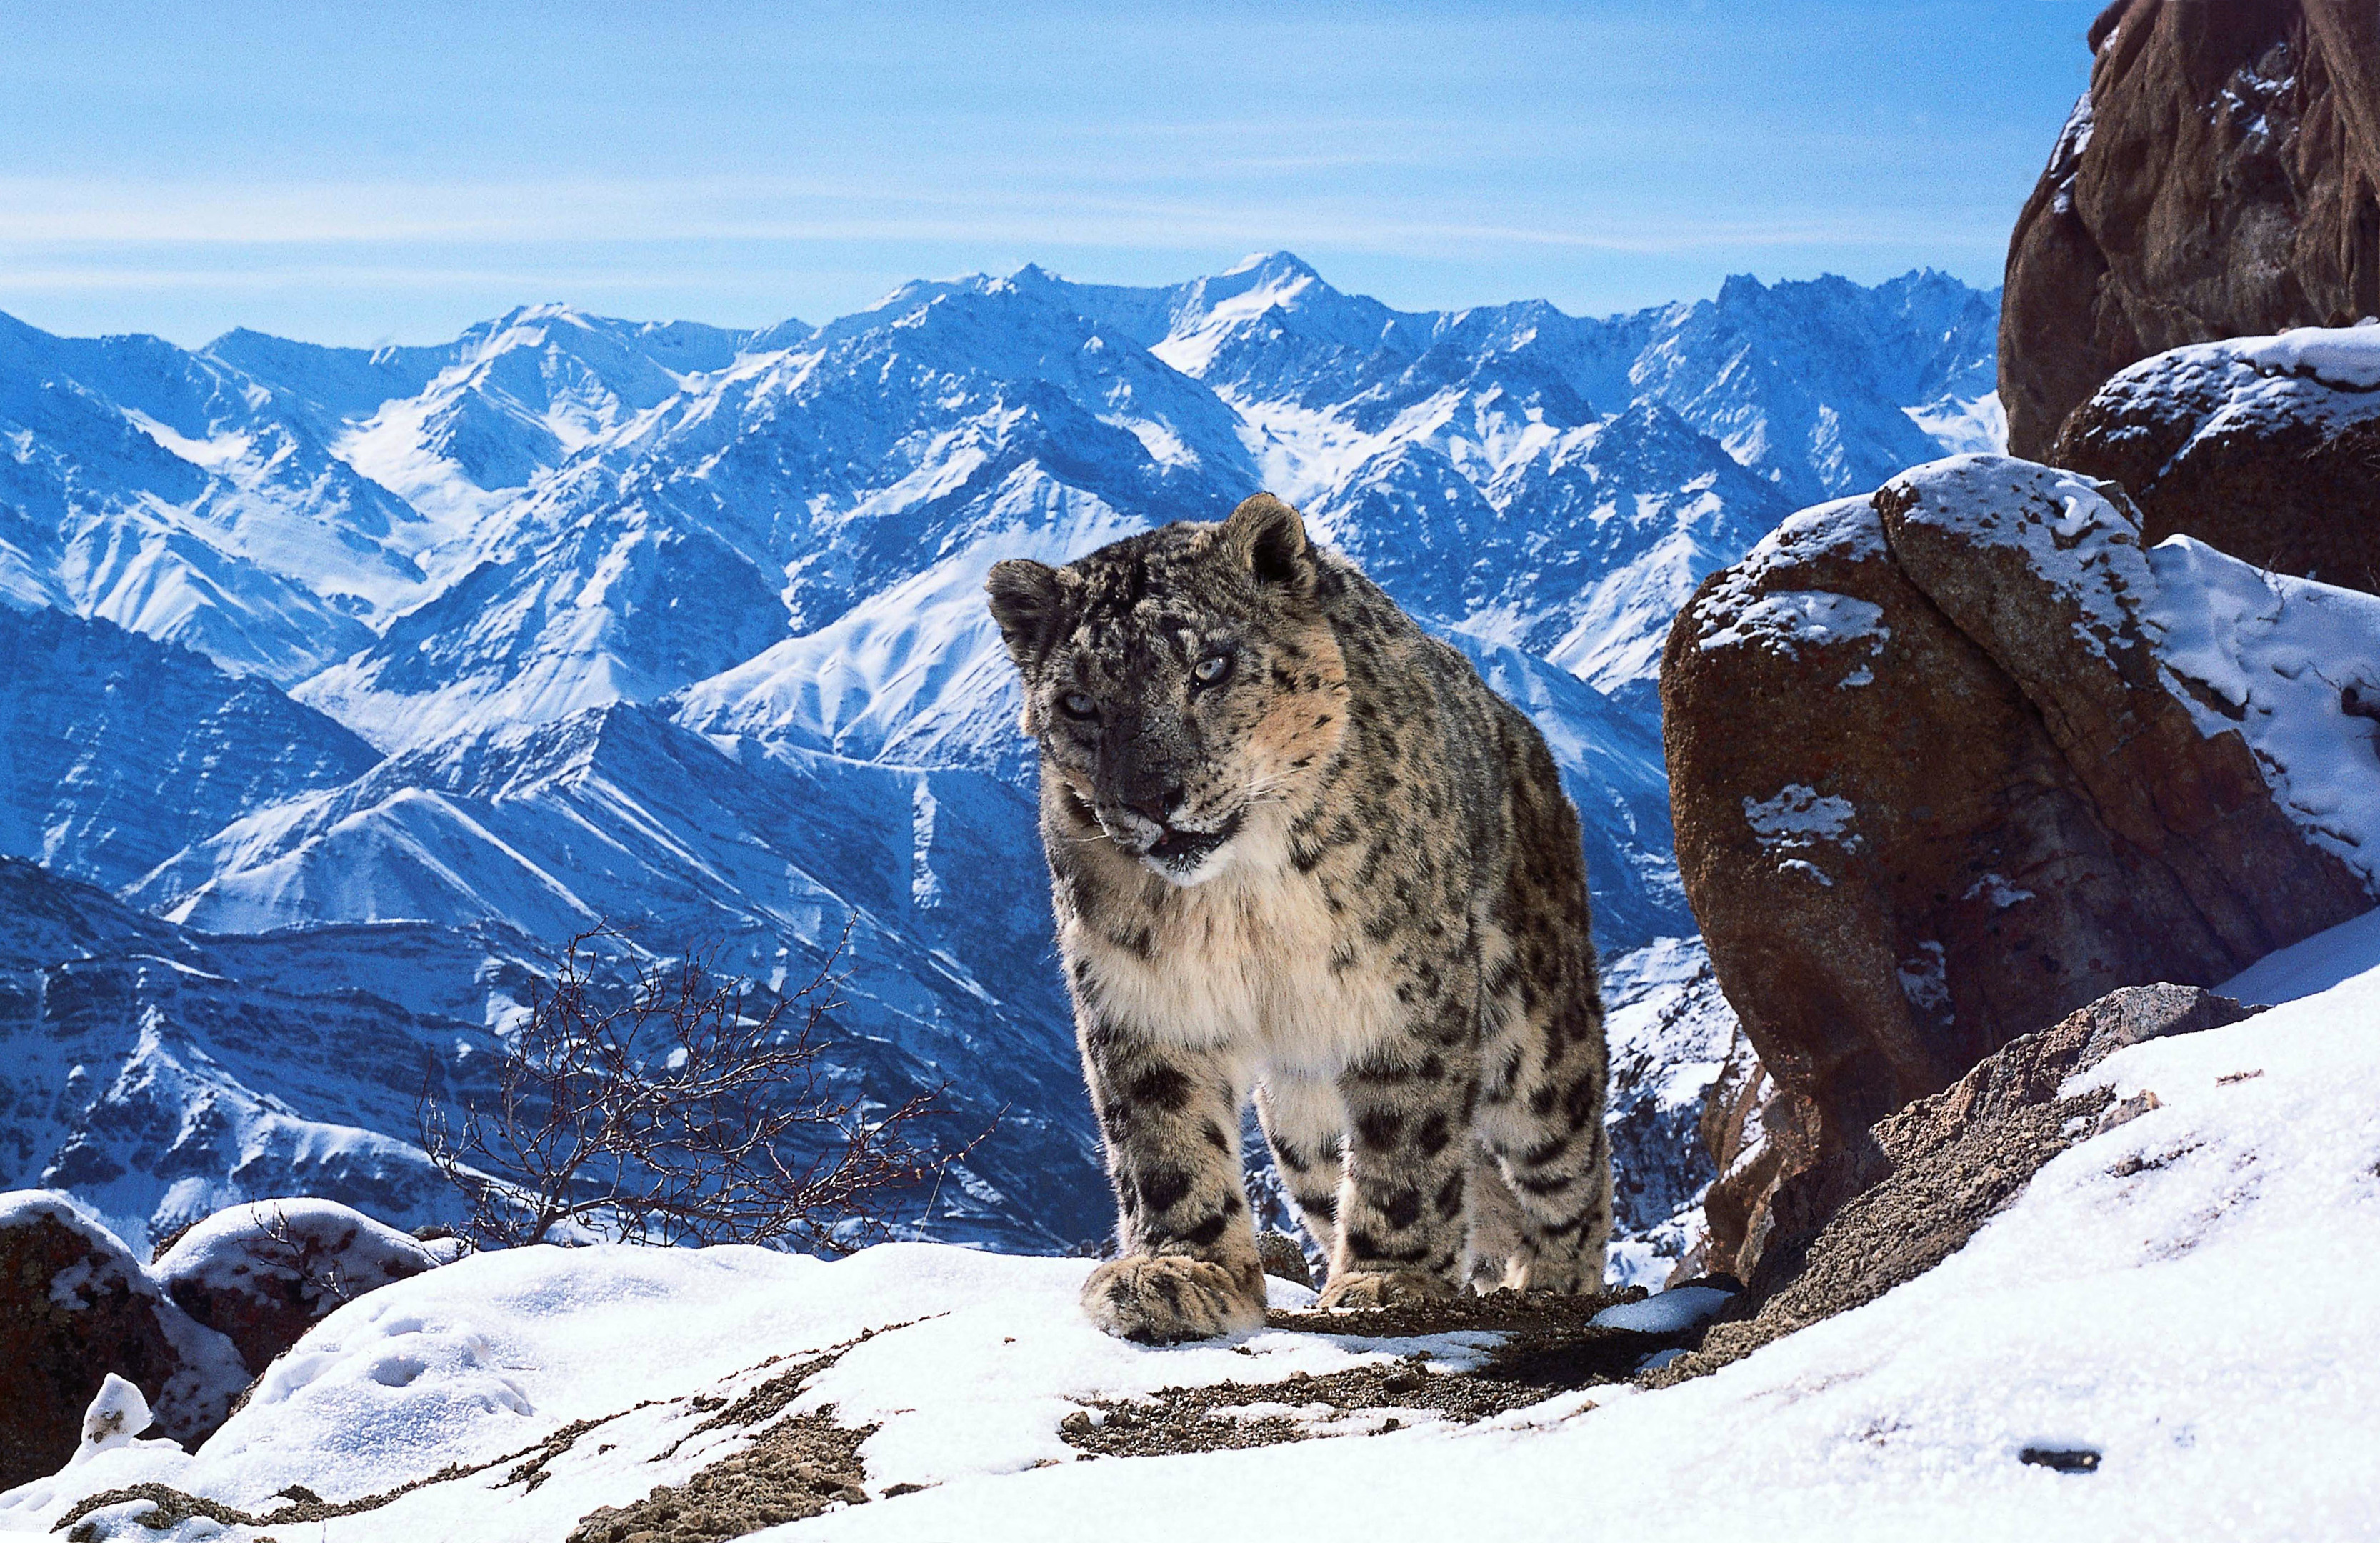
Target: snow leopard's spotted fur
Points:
(1333, 869)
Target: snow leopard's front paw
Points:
(1383, 1288)
(1166, 1298)
(1538, 1273)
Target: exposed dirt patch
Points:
(170, 1507)
(800, 1466)
(1549, 1347)
(1503, 1312)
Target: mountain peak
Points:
(1272, 265)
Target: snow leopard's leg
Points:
(1171, 1121)
(1305, 1123)
(1494, 1235)
(1543, 1062)
(1409, 1108)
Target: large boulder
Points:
(2267, 447)
(1949, 763)
(262, 1273)
(75, 1306)
(2218, 179)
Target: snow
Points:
(1785, 621)
(1788, 620)
(1998, 889)
(974, 1360)
(2278, 655)
(2062, 524)
(2066, 156)
(2347, 357)
(2311, 964)
(1668, 1312)
(1797, 817)
(119, 1412)
(2057, 1327)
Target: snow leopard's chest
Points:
(1258, 965)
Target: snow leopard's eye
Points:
(1211, 670)
(1074, 704)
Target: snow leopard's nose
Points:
(1157, 809)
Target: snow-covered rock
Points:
(260, 1274)
(119, 1414)
(77, 1309)
(2260, 447)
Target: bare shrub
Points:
(311, 1262)
(681, 1108)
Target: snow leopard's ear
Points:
(1028, 601)
(1270, 539)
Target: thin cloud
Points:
(57, 218)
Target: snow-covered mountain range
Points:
(357, 681)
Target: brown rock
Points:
(1967, 802)
(2217, 179)
(1915, 1187)
(264, 1272)
(2247, 447)
(1754, 1131)
(74, 1305)
(1283, 1259)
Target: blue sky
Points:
(388, 172)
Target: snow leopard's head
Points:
(1178, 681)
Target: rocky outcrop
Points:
(261, 1274)
(2220, 178)
(1910, 1191)
(1754, 1132)
(1949, 763)
(2265, 447)
(75, 1306)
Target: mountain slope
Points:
(117, 751)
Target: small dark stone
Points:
(1283, 1259)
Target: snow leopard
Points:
(1299, 851)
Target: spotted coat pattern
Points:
(1298, 851)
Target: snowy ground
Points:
(2188, 1296)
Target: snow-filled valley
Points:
(342, 688)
